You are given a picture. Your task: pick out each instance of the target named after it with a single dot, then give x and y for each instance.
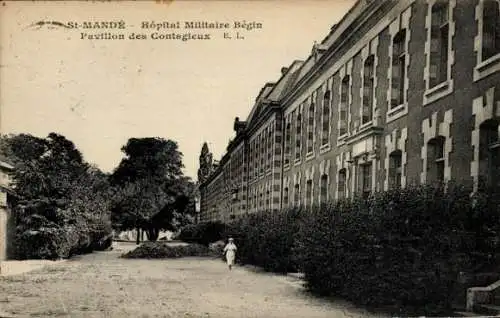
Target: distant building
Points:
(398, 93)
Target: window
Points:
(269, 148)
(288, 142)
(234, 194)
(344, 102)
(489, 154)
(323, 185)
(439, 43)
(365, 179)
(368, 89)
(395, 169)
(263, 142)
(268, 199)
(491, 29)
(298, 136)
(325, 130)
(285, 197)
(255, 158)
(341, 187)
(435, 160)
(256, 148)
(250, 161)
(296, 194)
(310, 129)
(398, 69)
(309, 193)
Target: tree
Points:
(44, 167)
(206, 164)
(64, 206)
(148, 180)
(20, 148)
(179, 211)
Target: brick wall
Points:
(401, 141)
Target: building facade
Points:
(6, 222)
(398, 93)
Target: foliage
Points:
(181, 210)
(165, 250)
(63, 205)
(401, 248)
(21, 148)
(151, 190)
(149, 158)
(266, 239)
(202, 233)
(217, 248)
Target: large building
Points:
(398, 93)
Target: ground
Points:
(104, 285)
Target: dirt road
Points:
(104, 285)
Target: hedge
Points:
(202, 233)
(266, 239)
(402, 249)
(164, 250)
(45, 231)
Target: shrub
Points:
(202, 233)
(43, 243)
(401, 248)
(217, 248)
(164, 250)
(266, 239)
(45, 231)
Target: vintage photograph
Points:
(188, 158)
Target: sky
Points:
(98, 93)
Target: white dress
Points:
(230, 250)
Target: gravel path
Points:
(103, 285)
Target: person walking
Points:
(230, 251)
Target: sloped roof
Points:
(346, 21)
(334, 40)
(275, 91)
(257, 105)
(286, 81)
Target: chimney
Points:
(284, 70)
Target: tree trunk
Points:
(153, 234)
(142, 235)
(138, 236)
